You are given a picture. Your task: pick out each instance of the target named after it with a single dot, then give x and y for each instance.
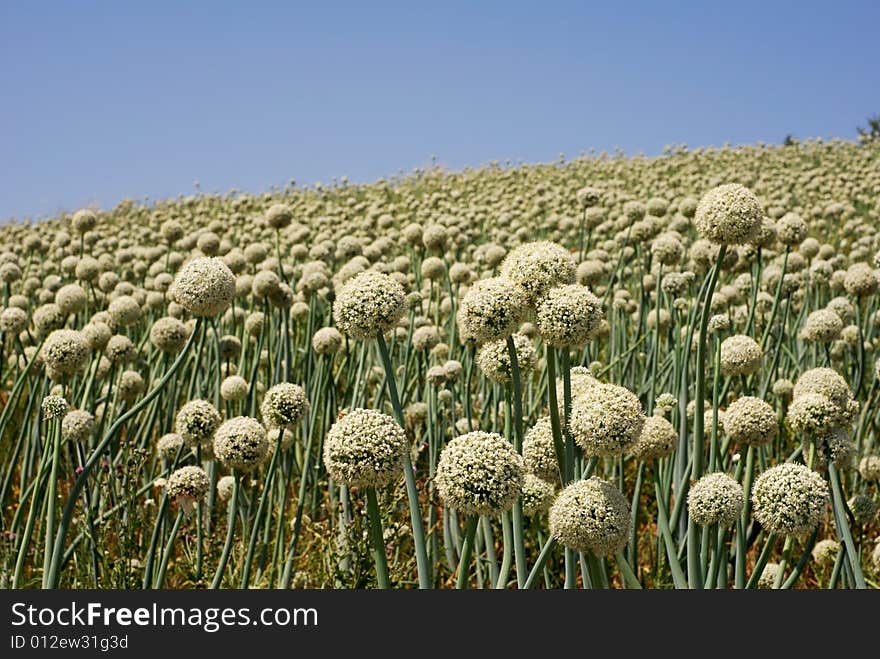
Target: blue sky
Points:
(107, 100)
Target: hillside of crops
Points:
(606, 372)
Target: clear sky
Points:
(106, 100)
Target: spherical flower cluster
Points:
(241, 443)
(425, 338)
(169, 334)
(825, 552)
(821, 326)
(13, 320)
(225, 488)
(204, 287)
(124, 310)
(65, 351)
(869, 468)
(791, 229)
(131, 385)
(539, 452)
(536, 267)
(783, 388)
(749, 420)
(493, 358)
(657, 440)
(591, 516)
(97, 335)
(567, 315)
(606, 420)
(368, 304)
(196, 422)
(365, 448)
(833, 445)
(860, 280)
(284, 405)
(812, 413)
(188, 485)
(77, 426)
(169, 445)
(828, 383)
(279, 216)
(71, 298)
(863, 508)
(54, 407)
(234, 388)
(537, 495)
(490, 310)
(327, 341)
(789, 499)
(728, 215)
(740, 355)
(479, 474)
(715, 499)
(84, 220)
(667, 249)
(120, 349)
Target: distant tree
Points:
(872, 131)
(790, 140)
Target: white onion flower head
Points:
(825, 552)
(812, 413)
(327, 341)
(715, 499)
(537, 495)
(77, 426)
(658, 439)
(54, 407)
(493, 358)
(188, 485)
(490, 310)
(729, 214)
(234, 388)
(860, 280)
(196, 422)
(538, 266)
(279, 216)
(225, 488)
(567, 315)
(789, 499)
(241, 443)
(365, 448)
(591, 516)
(539, 452)
(821, 326)
(169, 445)
(791, 229)
(479, 473)
(751, 421)
(863, 508)
(120, 349)
(740, 355)
(284, 405)
(169, 334)
(65, 351)
(124, 310)
(606, 421)
(829, 383)
(368, 304)
(869, 468)
(13, 320)
(204, 287)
